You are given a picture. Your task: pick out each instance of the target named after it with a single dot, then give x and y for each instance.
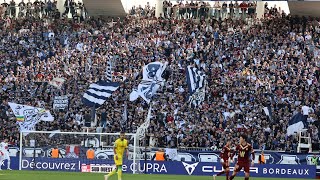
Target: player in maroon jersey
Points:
(243, 150)
(225, 160)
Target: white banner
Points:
(28, 116)
(196, 80)
(172, 153)
(60, 102)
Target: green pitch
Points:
(46, 175)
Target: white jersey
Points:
(4, 148)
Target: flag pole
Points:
(145, 139)
(93, 113)
(145, 150)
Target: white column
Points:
(159, 8)
(60, 6)
(260, 9)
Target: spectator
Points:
(90, 153)
(261, 158)
(160, 155)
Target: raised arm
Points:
(252, 154)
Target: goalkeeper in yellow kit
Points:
(120, 146)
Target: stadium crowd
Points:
(250, 64)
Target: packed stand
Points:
(217, 10)
(270, 62)
(41, 9)
(139, 11)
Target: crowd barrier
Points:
(193, 163)
(168, 167)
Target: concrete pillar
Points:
(260, 9)
(159, 8)
(60, 6)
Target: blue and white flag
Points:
(99, 92)
(29, 116)
(196, 81)
(296, 124)
(150, 82)
(153, 71)
(145, 91)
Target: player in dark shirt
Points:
(244, 150)
(225, 160)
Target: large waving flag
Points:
(151, 81)
(196, 81)
(296, 124)
(145, 90)
(29, 116)
(99, 92)
(153, 71)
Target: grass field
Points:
(46, 175)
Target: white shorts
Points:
(5, 156)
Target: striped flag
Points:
(99, 92)
(109, 71)
(196, 81)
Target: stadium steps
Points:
(105, 8)
(303, 8)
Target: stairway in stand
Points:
(304, 8)
(113, 8)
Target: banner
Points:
(172, 153)
(60, 102)
(196, 80)
(28, 116)
(109, 71)
(271, 157)
(169, 167)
